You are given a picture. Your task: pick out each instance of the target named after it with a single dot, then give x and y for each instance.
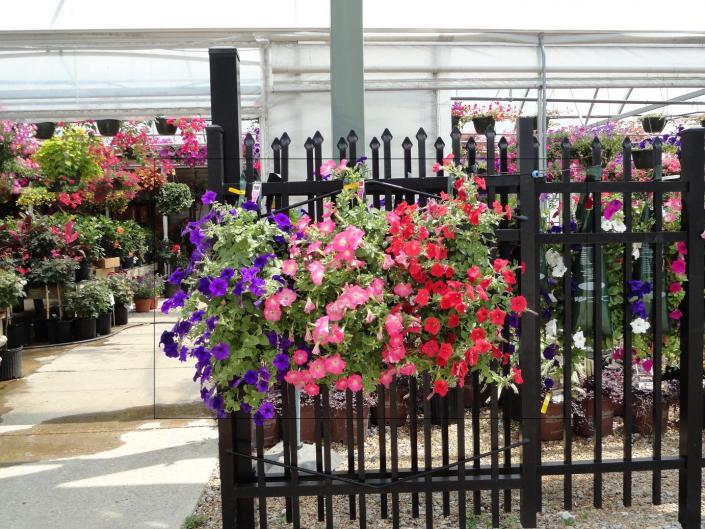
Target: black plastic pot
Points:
(83, 272)
(482, 124)
(11, 364)
(653, 125)
(109, 127)
(84, 328)
(643, 158)
(17, 334)
(40, 331)
(104, 323)
(536, 122)
(164, 128)
(59, 331)
(45, 130)
(121, 315)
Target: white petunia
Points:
(553, 257)
(551, 329)
(640, 326)
(635, 250)
(579, 340)
(559, 270)
(619, 226)
(607, 225)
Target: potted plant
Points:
(486, 117)
(56, 272)
(165, 126)
(45, 130)
(174, 198)
(653, 123)
(338, 417)
(35, 197)
(11, 292)
(643, 410)
(584, 411)
(87, 302)
(108, 127)
(146, 289)
(121, 288)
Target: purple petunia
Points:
(281, 362)
(227, 273)
(251, 377)
(250, 206)
(263, 386)
(282, 221)
(177, 276)
(264, 413)
(203, 284)
(196, 315)
(221, 351)
(218, 287)
(209, 197)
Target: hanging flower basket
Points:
(164, 127)
(45, 130)
(653, 124)
(481, 124)
(108, 127)
(643, 158)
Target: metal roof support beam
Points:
(592, 105)
(676, 100)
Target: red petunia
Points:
(429, 348)
(440, 387)
(518, 379)
(518, 304)
(444, 353)
(497, 316)
(474, 273)
(448, 233)
(481, 315)
(421, 298)
(478, 333)
(432, 325)
(499, 264)
(453, 321)
(437, 270)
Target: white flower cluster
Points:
(640, 325)
(616, 224)
(579, 340)
(555, 260)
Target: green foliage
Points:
(192, 521)
(123, 239)
(121, 287)
(148, 286)
(89, 299)
(35, 196)
(11, 288)
(174, 198)
(57, 271)
(69, 160)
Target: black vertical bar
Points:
(455, 144)
(597, 311)
(691, 396)
(285, 142)
(382, 424)
(236, 434)
(249, 158)
(627, 330)
(225, 110)
(460, 406)
(658, 308)
(292, 396)
(262, 499)
(352, 142)
(421, 144)
(535, 143)
(413, 441)
(476, 495)
(393, 413)
(216, 162)
(318, 420)
(407, 146)
(318, 161)
(529, 340)
(351, 446)
(445, 441)
(503, 147)
(342, 149)
(490, 136)
(374, 149)
(386, 149)
(326, 453)
(274, 202)
(428, 462)
(439, 146)
(567, 335)
(471, 147)
(361, 431)
(287, 424)
(310, 174)
(494, 458)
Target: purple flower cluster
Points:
(638, 290)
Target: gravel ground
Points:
(613, 515)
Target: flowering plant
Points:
(495, 110)
(174, 198)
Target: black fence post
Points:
(235, 434)
(529, 340)
(691, 367)
(216, 167)
(225, 112)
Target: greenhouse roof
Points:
(72, 59)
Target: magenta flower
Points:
(675, 314)
(678, 267)
(610, 209)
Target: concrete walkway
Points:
(108, 434)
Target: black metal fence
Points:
(465, 468)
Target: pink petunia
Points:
(341, 384)
(318, 368)
(682, 247)
(326, 226)
(386, 377)
(327, 167)
(408, 369)
(675, 287)
(355, 383)
(335, 365)
(300, 357)
(678, 267)
(376, 287)
(675, 314)
(289, 267)
(310, 306)
(286, 297)
(315, 268)
(393, 324)
(403, 289)
(312, 389)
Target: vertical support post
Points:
(225, 112)
(691, 396)
(541, 110)
(529, 340)
(216, 167)
(347, 88)
(235, 433)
